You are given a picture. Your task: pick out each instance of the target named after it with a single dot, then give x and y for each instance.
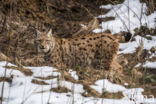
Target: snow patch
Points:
(127, 20)
(130, 47)
(105, 85)
(73, 74)
(21, 90)
(150, 64)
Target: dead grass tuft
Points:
(25, 71)
(6, 79)
(90, 91)
(60, 89)
(39, 82)
(118, 95)
(68, 77)
(45, 78)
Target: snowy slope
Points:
(22, 90)
(130, 14)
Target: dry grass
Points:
(6, 79)
(89, 91)
(25, 71)
(35, 81)
(118, 95)
(4, 57)
(45, 78)
(60, 89)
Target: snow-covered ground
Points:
(23, 91)
(130, 47)
(128, 15)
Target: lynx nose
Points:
(42, 47)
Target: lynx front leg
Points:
(106, 64)
(61, 66)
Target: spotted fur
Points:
(91, 50)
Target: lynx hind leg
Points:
(109, 55)
(116, 66)
(109, 63)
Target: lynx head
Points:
(44, 41)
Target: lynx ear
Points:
(49, 33)
(37, 33)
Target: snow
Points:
(105, 85)
(73, 74)
(109, 6)
(131, 93)
(78, 88)
(132, 19)
(22, 90)
(9, 72)
(126, 84)
(130, 47)
(150, 64)
(127, 20)
(147, 64)
(138, 65)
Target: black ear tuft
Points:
(127, 36)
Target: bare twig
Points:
(93, 24)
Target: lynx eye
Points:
(38, 40)
(47, 40)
